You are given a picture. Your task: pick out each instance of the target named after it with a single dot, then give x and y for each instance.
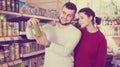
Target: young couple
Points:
(87, 43)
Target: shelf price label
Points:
(10, 63)
(2, 39)
(15, 38)
(17, 62)
(8, 38)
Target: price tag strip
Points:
(2, 39)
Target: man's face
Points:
(66, 16)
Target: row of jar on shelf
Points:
(10, 52)
(111, 20)
(110, 30)
(22, 7)
(8, 28)
(110, 26)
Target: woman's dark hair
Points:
(71, 6)
(89, 12)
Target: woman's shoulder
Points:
(101, 35)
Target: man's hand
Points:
(53, 23)
(32, 21)
(42, 40)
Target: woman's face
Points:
(84, 20)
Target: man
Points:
(59, 40)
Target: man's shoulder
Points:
(47, 25)
(75, 30)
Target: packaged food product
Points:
(37, 30)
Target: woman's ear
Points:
(90, 18)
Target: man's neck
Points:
(62, 26)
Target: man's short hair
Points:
(71, 6)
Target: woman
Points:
(92, 49)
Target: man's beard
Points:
(65, 24)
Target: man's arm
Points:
(69, 46)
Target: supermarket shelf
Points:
(39, 17)
(10, 13)
(24, 17)
(113, 36)
(32, 53)
(22, 33)
(17, 18)
(11, 38)
(11, 63)
(17, 62)
(6, 40)
(108, 26)
(116, 36)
